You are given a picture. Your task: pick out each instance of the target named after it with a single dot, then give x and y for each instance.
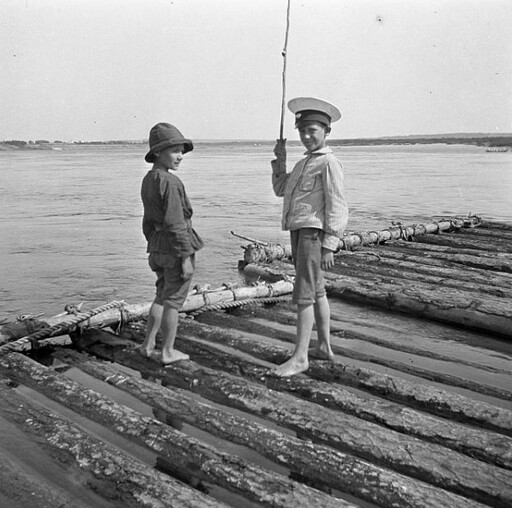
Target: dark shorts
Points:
(170, 287)
(307, 257)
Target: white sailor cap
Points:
(313, 109)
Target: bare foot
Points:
(174, 356)
(145, 351)
(321, 352)
(290, 368)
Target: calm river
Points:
(70, 219)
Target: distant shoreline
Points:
(484, 140)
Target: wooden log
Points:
(379, 269)
(264, 252)
(496, 261)
(383, 263)
(425, 397)
(492, 234)
(261, 290)
(496, 225)
(426, 461)
(184, 453)
(285, 314)
(405, 232)
(415, 370)
(439, 263)
(463, 308)
(321, 465)
(456, 242)
(488, 446)
(107, 471)
(489, 313)
(64, 323)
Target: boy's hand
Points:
(327, 261)
(187, 268)
(280, 151)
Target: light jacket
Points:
(313, 195)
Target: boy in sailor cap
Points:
(316, 214)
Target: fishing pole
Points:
(283, 105)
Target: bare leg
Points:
(154, 321)
(169, 328)
(322, 318)
(299, 359)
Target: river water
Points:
(70, 219)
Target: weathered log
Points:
(430, 462)
(496, 261)
(381, 270)
(112, 474)
(320, 464)
(424, 397)
(463, 308)
(440, 376)
(441, 264)
(185, 453)
(455, 241)
(406, 232)
(489, 313)
(496, 225)
(264, 252)
(286, 314)
(65, 323)
(493, 233)
(484, 445)
(258, 252)
(370, 264)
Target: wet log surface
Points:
(466, 304)
(437, 255)
(405, 454)
(184, 453)
(478, 242)
(321, 464)
(441, 377)
(114, 475)
(413, 411)
(489, 446)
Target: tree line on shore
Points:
(503, 140)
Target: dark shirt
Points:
(167, 223)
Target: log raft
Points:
(414, 410)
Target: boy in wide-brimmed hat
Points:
(172, 242)
(316, 213)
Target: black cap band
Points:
(310, 115)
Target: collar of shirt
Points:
(320, 151)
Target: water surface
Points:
(70, 220)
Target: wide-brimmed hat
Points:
(163, 135)
(313, 109)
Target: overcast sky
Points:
(110, 69)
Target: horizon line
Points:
(246, 140)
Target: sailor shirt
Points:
(313, 195)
